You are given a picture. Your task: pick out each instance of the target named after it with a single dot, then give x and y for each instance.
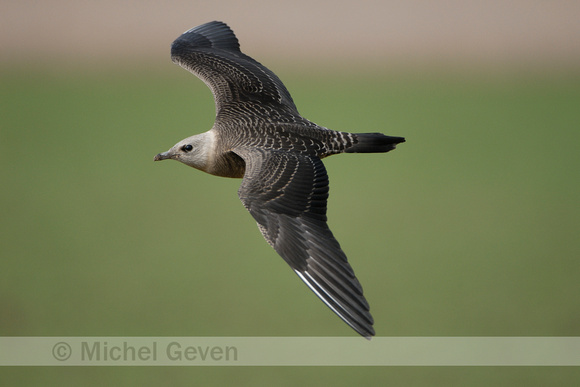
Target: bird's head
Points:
(193, 151)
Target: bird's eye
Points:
(186, 148)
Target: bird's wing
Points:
(212, 53)
(286, 193)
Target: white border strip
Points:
(289, 351)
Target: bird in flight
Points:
(259, 136)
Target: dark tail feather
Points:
(373, 143)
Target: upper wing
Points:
(212, 52)
(286, 192)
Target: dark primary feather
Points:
(212, 52)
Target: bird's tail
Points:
(373, 143)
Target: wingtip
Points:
(366, 331)
(361, 323)
(215, 34)
(208, 25)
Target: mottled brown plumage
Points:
(258, 135)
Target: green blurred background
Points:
(468, 229)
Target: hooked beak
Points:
(162, 156)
